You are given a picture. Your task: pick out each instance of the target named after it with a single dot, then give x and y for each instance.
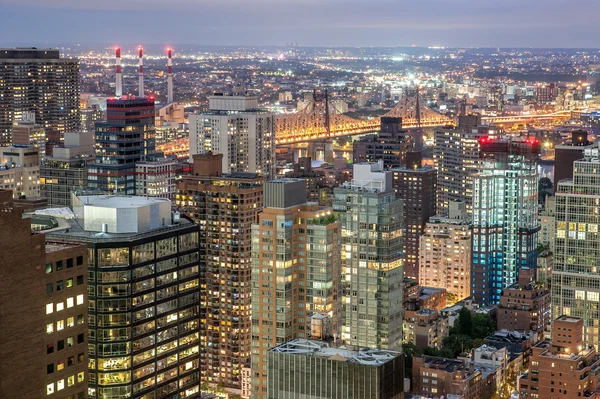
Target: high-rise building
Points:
(296, 271)
(525, 305)
(567, 153)
(576, 275)
(224, 206)
(38, 80)
(235, 127)
(456, 159)
(20, 170)
(310, 368)
(564, 367)
(143, 297)
(155, 178)
(27, 132)
(445, 256)
(505, 226)
(125, 138)
(43, 325)
(415, 184)
(66, 170)
(372, 260)
(390, 145)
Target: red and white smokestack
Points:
(169, 77)
(119, 86)
(141, 72)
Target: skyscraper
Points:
(456, 159)
(391, 145)
(295, 274)
(235, 127)
(143, 301)
(575, 287)
(125, 138)
(415, 184)
(38, 80)
(224, 206)
(505, 225)
(372, 260)
(445, 256)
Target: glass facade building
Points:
(505, 225)
(575, 287)
(372, 259)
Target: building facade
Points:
(309, 368)
(43, 327)
(20, 170)
(225, 207)
(575, 287)
(390, 145)
(505, 225)
(437, 377)
(425, 328)
(416, 186)
(372, 261)
(445, 256)
(155, 178)
(126, 138)
(235, 127)
(27, 132)
(143, 299)
(296, 269)
(39, 81)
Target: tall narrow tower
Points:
(169, 77)
(141, 71)
(119, 85)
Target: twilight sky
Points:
(468, 23)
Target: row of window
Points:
(60, 264)
(69, 342)
(60, 365)
(60, 324)
(70, 302)
(60, 385)
(62, 284)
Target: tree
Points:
(544, 189)
(410, 350)
(465, 322)
(483, 325)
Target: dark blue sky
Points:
(469, 23)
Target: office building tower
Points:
(575, 287)
(445, 255)
(43, 325)
(143, 297)
(235, 127)
(525, 305)
(563, 367)
(569, 152)
(310, 368)
(20, 171)
(224, 206)
(27, 132)
(66, 170)
(547, 223)
(295, 274)
(415, 184)
(372, 261)
(390, 145)
(155, 178)
(505, 227)
(38, 80)
(456, 160)
(126, 138)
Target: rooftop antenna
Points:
(141, 72)
(119, 83)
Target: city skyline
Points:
(461, 23)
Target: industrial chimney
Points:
(119, 87)
(169, 77)
(141, 71)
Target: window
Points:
(59, 265)
(71, 380)
(50, 389)
(60, 345)
(80, 280)
(59, 286)
(70, 302)
(60, 325)
(60, 306)
(60, 365)
(49, 349)
(80, 338)
(80, 299)
(71, 322)
(49, 288)
(79, 260)
(69, 341)
(69, 263)
(69, 283)
(79, 319)
(50, 368)
(48, 268)
(80, 377)
(49, 308)
(49, 328)
(60, 385)
(80, 357)
(71, 361)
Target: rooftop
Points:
(119, 201)
(367, 357)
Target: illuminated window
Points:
(71, 380)
(69, 283)
(579, 294)
(60, 306)
(49, 308)
(49, 328)
(60, 365)
(60, 325)
(60, 385)
(80, 299)
(80, 377)
(70, 302)
(593, 296)
(70, 322)
(50, 389)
